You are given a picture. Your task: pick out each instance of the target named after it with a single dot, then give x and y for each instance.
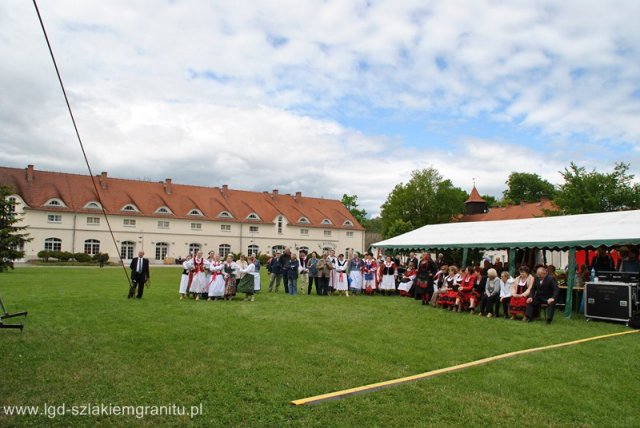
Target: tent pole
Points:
(571, 275)
(465, 254)
(512, 262)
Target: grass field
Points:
(84, 342)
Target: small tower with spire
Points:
(475, 204)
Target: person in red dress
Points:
(467, 296)
(520, 292)
(449, 293)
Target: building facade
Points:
(64, 212)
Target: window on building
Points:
(93, 206)
(129, 207)
(54, 218)
(224, 250)
(53, 244)
(326, 221)
(304, 232)
(195, 212)
(253, 249)
(93, 221)
(326, 249)
(196, 226)
(129, 222)
(126, 250)
(54, 202)
(12, 206)
(349, 234)
(163, 224)
(279, 224)
(253, 229)
(305, 249)
(225, 228)
(253, 216)
(304, 220)
(92, 247)
(194, 248)
(162, 248)
(225, 214)
(277, 248)
(163, 210)
(327, 233)
(347, 223)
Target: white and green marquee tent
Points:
(545, 233)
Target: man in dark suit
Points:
(139, 274)
(544, 291)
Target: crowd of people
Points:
(488, 290)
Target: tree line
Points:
(429, 198)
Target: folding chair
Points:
(4, 315)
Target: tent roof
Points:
(560, 232)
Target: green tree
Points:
(11, 236)
(586, 192)
(491, 200)
(398, 227)
(351, 202)
(373, 224)
(425, 199)
(527, 187)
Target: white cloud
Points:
(251, 93)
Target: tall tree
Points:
(527, 187)
(373, 224)
(351, 202)
(592, 192)
(425, 199)
(11, 236)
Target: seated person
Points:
(439, 281)
(491, 295)
(467, 295)
(406, 282)
(506, 284)
(544, 291)
(520, 292)
(449, 290)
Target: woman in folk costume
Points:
(230, 270)
(355, 274)
(242, 265)
(207, 272)
(424, 279)
(439, 283)
(216, 284)
(467, 296)
(406, 282)
(388, 274)
(369, 268)
(247, 283)
(334, 272)
(256, 274)
(185, 278)
(520, 291)
(342, 283)
(449, 294)
(198, 266)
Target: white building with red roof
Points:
(169, 220)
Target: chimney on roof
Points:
(167, 186)
(274, 194)
(30, 175)
(298, 196)
(103, 180)
(523, 203)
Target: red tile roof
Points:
(513, 212)
(475, 196)
(76, 191)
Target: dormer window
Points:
(163, 210)
(130, 208)
(303, 220)
(347, 223)
(93, 206)
(225, 214)
(326, 221)
(195, 212)
(54, 202)
(253, 216)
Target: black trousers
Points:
(311, 279)
(285, 280)
(488, 304)
(505, 307)
(322, 286)
(533, 308)
(137, 282)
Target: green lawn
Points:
(84, 342)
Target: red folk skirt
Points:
(517, 306)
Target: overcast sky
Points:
(324, 97)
